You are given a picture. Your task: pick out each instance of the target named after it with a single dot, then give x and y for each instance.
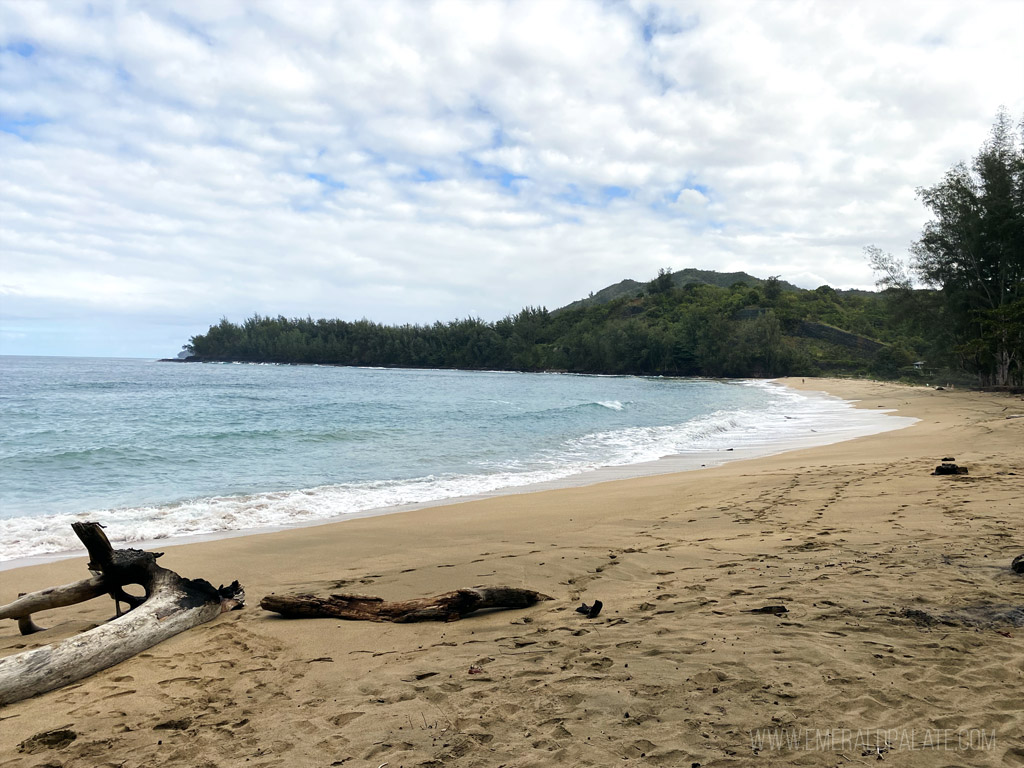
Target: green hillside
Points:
(630, 288)
(691, 323)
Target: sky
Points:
(163, 165)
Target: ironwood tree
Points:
(973, 252)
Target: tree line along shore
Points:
(694, 330)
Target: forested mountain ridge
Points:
(679, 279)
(657, 328)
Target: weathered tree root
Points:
(171, 605)
(451, 606)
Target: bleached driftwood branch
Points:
(450, 606)
(54, 597)
(171, 605)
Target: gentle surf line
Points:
(851, 424)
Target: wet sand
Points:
(881, 567)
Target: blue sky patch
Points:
(327, 181)
(21, 126)
(425, 175)
(654, 24)
(573, 196)
(506, 179)
(22, 48)
(599, 198)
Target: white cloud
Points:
(410, 161)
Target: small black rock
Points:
(1018, 564)
(591, 611)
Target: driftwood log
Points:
(171, 605)
(451, 606)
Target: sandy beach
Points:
(894, 645)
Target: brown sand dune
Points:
(879, 564)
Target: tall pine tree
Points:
(974, 252)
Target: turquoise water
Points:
(160, 450)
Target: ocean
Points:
(160, 451)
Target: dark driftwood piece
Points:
(171, 605)
(451, 606)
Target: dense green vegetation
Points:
(697, 329)
(969, 319)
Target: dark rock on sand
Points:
(948, 468)
(774, 609)
(1018, 564)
